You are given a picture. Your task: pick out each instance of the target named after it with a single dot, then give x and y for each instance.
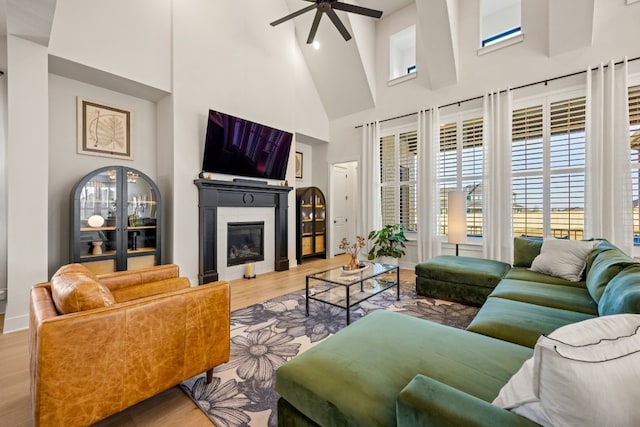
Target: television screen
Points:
(236, 146)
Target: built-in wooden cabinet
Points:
(311, 223)
(116, 220)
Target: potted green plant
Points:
(387, 242)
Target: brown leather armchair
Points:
(149, 331)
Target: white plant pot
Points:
(387, 260)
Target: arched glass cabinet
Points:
(311, 223)
(116, 220)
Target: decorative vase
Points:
(97, 248)
(353, 263)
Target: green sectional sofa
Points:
(392, 369)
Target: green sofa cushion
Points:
(549, 295)
(622, 294)
(521, 273)
(519, 322)
(603, 246)
(525, 250)
(604, 267)
(355, 376)
(427, 402)
(465, 293)
(464, 270)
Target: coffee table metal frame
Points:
(369, 280)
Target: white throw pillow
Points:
(582, 374)
(563, 258)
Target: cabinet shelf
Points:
(108, 228)
(140, 251)
(103, 255)
(142, 227)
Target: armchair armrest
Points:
(90, 364)
(425, 401)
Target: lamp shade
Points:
(457, 217)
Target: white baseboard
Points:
(15, 324)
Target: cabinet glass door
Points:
(142, 210)
(98, 221)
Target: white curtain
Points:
(497, 193)
(608, 192)
(370, 212)
(428, 191)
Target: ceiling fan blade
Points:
(314, 26)
(293, 15)
(357, 9)
(339, 25)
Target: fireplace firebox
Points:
(245, 242)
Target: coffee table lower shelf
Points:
(344, 289)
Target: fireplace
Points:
(245, 242)
(216, 196)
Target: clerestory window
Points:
(501, 20)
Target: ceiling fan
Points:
(328, 6)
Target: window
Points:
(500, 20)
(402, 53)
(461, 157)
(548, 158)
(634, 133)
(398, 169)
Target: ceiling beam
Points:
(31, 19)
(570, 25)
(437, 42)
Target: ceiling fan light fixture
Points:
(316, 44)
(328, 6)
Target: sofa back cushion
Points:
(622, 294)
(525, 250)
(563, 258)
(75, 288)
(605, 266)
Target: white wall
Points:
(234, 63)
(27, 175)
(307, 165)
(131, 39)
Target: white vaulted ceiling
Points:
(342, 71)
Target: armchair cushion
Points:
(75, 288)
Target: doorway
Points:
(344, 188)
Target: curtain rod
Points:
(475, 98)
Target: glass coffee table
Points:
(344, 289)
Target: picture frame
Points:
(298, 165)
(104, 130)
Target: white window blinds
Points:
(398, 170)
(548, 169)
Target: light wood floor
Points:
(172, 407)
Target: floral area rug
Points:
(264, 336)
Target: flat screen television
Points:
(236, 146)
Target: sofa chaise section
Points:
(373, 360)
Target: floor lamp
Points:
(457, 218)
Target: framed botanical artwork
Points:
(104, 130)
(298, 165)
